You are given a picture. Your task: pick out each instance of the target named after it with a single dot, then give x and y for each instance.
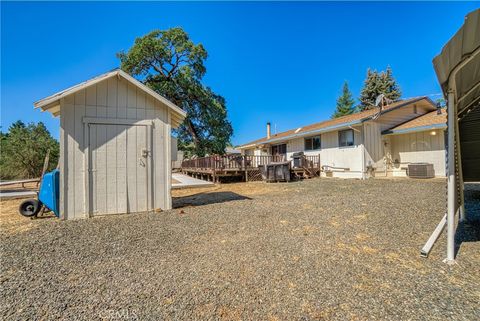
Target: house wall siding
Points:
(418, 147)
(332, 154)
(115, 98)
(374, 151)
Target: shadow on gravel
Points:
(207, 198)
(469, 230)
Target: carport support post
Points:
(451, 188)
(460, 172)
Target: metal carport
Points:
(458, 71)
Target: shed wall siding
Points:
(112, 98)
(418, 147)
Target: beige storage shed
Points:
(115, 146)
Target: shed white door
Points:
(119, 168)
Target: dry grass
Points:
(11, 222)
(244, 189)
(312, 250)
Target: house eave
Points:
(313, 132)
(246, 146)
(413, 129)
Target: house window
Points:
(312, 143)
(279, 149)
(345, 138)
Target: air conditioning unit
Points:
(420, 170)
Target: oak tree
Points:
(170, 63)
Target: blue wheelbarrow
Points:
(47, 199)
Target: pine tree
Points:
(389, 85)
(345, 103)
(370, 90)
(377, 83)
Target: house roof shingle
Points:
(429, 120)
(356, 117)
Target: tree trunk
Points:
(193, 132)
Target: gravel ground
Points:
(312, 250)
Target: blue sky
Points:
(279, 62)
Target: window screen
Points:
(279, 149)
(345, 138)
(312, 143)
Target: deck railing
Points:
(311, 163)
(231, 162)
(312, 160)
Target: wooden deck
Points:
(246, 167)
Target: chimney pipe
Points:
(439, 108)
(269, 132)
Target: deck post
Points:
(319, 169)
(244, 164)
(214, 176)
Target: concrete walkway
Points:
(187, 181)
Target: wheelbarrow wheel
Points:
(29, 207)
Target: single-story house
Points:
(370, 143)
(115, 146)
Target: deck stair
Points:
(306, 166)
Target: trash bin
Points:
(298, 160)
(276, 172)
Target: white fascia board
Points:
(246, 146)
(71, 90)
(413, 129)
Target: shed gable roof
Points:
(52, 103)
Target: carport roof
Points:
(52, 103)
(460, 58)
